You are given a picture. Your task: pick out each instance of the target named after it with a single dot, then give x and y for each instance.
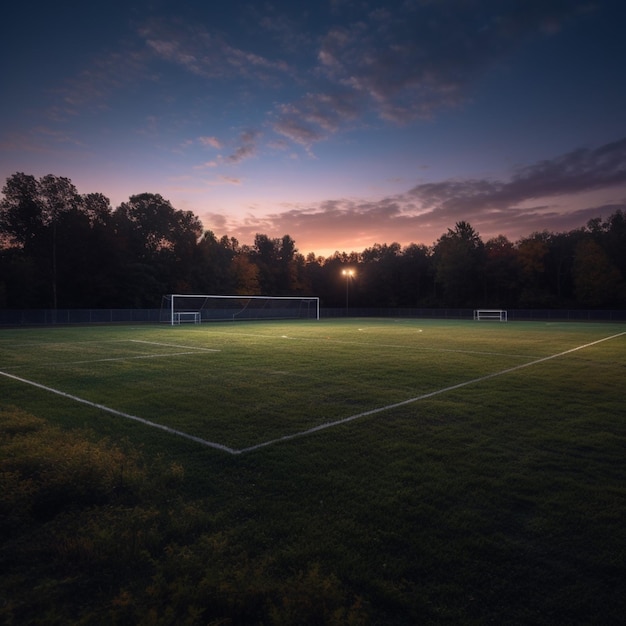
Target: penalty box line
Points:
(309, 431)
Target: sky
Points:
(342, 123)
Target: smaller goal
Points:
(186, 316)
(498, 315)
(197, 308)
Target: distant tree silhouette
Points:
(62, 249)
(501, 274)
(48, 220)
(459, 259)
(532, 253)
(158, 245)
(598, 282)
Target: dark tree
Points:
(610, 234)
(416, 276)
(502, 273)
(380, 276)
(213, 271)
(46, 219)
(598, 282)
(532, 255)
(459, 258)
(21, 214)
(315, 276)
(280, 267)
(158, 245)
(265, 254)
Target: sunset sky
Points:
(343, 123)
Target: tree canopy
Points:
(59, 248)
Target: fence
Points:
(50, 317)
(513, 314)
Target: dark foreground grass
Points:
(498, 502)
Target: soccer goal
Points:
(499, 315)
(197, 308)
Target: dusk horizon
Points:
(341, 125)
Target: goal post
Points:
(198, 308)
(498, 315)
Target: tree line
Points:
(63, 249)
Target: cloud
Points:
(557, 195)
(94, 86)
(246, 149)
(42, 140)
(212, 142)
(291, 35)
(215, 221)
(407, 60)
(241, 153)
(412, 59)
(199, 51)
(279, 144)
(191, 47)
(230, 180)
(580, 170)
(290, 125)
(315, 116)
(335, 68)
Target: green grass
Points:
(499, 501)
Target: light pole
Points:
(348, 274)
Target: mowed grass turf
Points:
(242, 385)
(496, 496)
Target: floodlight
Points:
(348, 273)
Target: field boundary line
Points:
(430, 394)
(102, 407)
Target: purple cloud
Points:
(580, 170)
(516, 207)
(247, 147)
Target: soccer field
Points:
(360, 471)
(240, 387)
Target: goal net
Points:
(197, 308)
(499, 315)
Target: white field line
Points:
(438, 350)
(110, 359)
(173, 345)
(191, 350)
(107, 409)
(345, 420)
(363, 344)
(130, 358)
(309, 431)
